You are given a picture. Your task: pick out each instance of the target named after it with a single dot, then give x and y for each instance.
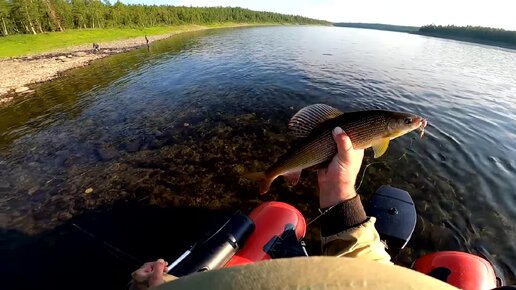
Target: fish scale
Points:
(362, 131)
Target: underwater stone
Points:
(106, 153)
(133, 145)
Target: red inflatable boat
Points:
(275, 230)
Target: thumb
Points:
(156, 278)
(343, 142)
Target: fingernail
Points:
(161, 261)
(338, 131)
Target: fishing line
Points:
(410, 148)
(114, 250)
(322, 213)
(385, 162)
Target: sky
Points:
(492, 13)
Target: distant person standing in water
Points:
(346, 232)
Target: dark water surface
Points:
(174, 129)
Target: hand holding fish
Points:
(337, 182)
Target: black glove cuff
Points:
(343, 216)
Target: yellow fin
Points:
(380, 147)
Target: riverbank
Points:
(20, 73)
(468, 39)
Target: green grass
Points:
(28, 44)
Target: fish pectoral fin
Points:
(292, 177)
(308, 118)
(380, 147)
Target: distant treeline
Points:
(39, 16)
(378, 26)
(470, 33)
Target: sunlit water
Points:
(178, 125)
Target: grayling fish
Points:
(314, 124)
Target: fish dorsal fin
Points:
(380, 147)
(306, 119)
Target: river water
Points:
(176, 125)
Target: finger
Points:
(143, 273)
(147, 266)
(140, 275)
(342, 140)
(156, 277)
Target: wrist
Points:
(331, 194)
(345, 215)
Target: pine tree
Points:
(4, 14)
(54, 15)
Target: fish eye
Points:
(408, 121)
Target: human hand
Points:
(149, 275)
(337, 182)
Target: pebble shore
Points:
(21, 73)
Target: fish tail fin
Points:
(265, 181)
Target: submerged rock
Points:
(133, 145)
(5, 100)
(106, 152)
(64, 216)
(4, 184)
(21, 90)
(5, 219)
(32, 190)
(38, 195)
(60, 160)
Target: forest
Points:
(40, 16)
(470, 33)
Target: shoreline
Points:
(468, 40)
(403, 29)
(22, 73)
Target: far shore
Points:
(20, 74)
(468, 39)
(415, 30)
